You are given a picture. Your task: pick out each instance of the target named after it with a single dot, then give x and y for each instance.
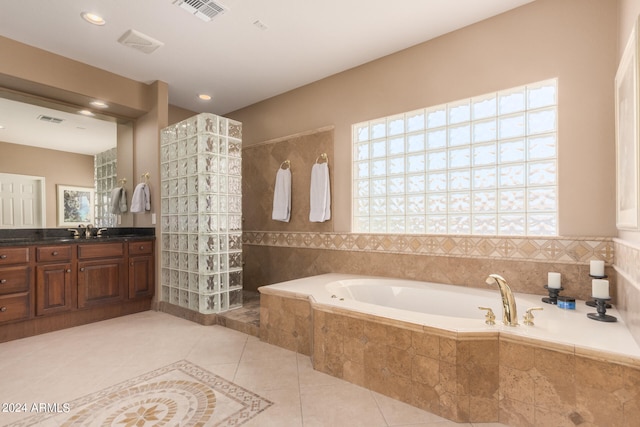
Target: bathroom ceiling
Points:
(256, 49)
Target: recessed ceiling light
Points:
(99, 104)
(86, 113)
(1, 127)
(92, 18)
(204, 97)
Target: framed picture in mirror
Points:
(75, 205)
(627, 146)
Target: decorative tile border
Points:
(574, 250)
(179, 394)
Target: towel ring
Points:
(285, 165)
(322, 157)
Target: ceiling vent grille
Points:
(49, 119)
(203, 9)
(142, 42)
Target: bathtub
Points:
(455, 309)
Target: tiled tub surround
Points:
(456, 260)
(473, 374)
(627, 268)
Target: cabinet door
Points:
(100, 282)
(141, 274)
(53, 293)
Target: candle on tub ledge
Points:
(600, 289)
(554, 280)
(596, 268)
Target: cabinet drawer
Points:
(54, 253)
(14, 307)
(140, 248)
(14, 256)
(14, 279)
(102, 250)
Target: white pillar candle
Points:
(600, 288)
(596, 268)
(554, 280)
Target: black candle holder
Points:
(601, 315)
(593, 303)
(553, 295)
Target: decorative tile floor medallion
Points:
(181, 394)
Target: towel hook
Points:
(122, 181)
(145, 177)
(285, 165)
(322, 157)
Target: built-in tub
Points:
(558, 370)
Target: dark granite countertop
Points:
(44, 236)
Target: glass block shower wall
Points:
(201, 207)
(105, 177)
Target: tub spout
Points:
(509, 311)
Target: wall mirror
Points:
(46, 144)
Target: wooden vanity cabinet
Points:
(101, 274)
(15, 284)
(54, 279)
(57, 285)
(141, 269)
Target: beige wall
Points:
(574, 40)
(33, 161)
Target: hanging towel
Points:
(282, 196)
(118, 200)
(320, 194)
(141, 201)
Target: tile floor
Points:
(65, 365)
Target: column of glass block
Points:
(201, 200)
(105, 179)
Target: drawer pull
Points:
(69, 271)
(3, 309)
(3, 281)
(82, 269)
(54, 253)
(142, 248)
(3, 256)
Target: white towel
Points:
(118, 200)
(141, 201)
(282, 196)
(320, 194)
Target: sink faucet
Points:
(509, 311)
(86, 230)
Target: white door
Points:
(21, 201)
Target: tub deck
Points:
(554, 326)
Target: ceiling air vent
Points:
(142, 42)
(49, 119)
(203, 9)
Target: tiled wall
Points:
(272, 257)
(627, 267)
(261, 162)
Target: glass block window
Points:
(105, 179)
(485, 165)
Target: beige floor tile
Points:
(64, 365)
(398, 413)
(285, 411)
(268, 374)
(340, 405)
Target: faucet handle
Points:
(75, 232)
(490, 318)
(99, 232)
(528, 316)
